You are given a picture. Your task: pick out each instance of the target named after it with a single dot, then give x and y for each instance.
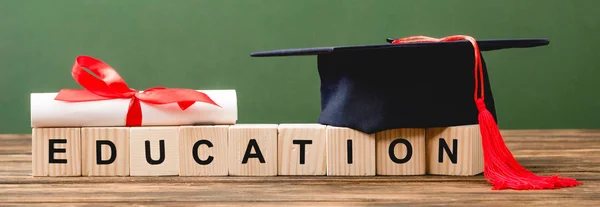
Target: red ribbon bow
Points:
(109, 85)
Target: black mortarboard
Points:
(421, 82)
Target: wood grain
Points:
(469, 157)
(213, 158)
(570, 153)
(240, 138)
(289, 154)
(41, 138)
(119, 137)
(415, 164)
(139, 165)
(361, 162)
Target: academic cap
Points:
(420, 82)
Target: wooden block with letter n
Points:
(301, 149)
(56, 151)
(203, 150)
(401, 152)
(454, 150)
(105, 151)
(350, 152)
(253, 150)
(154, 151)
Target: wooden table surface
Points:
(571, 153)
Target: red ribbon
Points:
(109, 85)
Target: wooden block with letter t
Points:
(56, 151)
(253, 150)
(401, 152)
(154, 151)
(105, 151)
(203, 150)
(301, 149)
(350, 152)
(454, 150)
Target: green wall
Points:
(206, 45)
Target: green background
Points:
(206, 45)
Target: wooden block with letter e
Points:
(350, 152)
(253, 150)
(401, 152)
(56, 151)
(203, 150)
(105, 151)
(301, 149)
(454, 150)
(154, 151)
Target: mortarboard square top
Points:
(372, 88)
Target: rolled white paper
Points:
(47, 112)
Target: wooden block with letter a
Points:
(401, 152)
(154, 151)
(253, 150)
(454, 150)
(105, 151)
(350, 152)
(56, 151)
(301, 149)
(203, 150)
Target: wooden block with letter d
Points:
(56, 151)
(105, 151)
(253, 150)
(301, 149)
(154, 151)
(203, 150)
(454, 150)
(350, 152)
(401, 152)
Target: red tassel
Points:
(501, 169)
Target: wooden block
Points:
(203, 150)
(401, 152)
(253, 150)
(56, 151)
(301, 149)
(154, 151)
(105, 151)
(454, 150)
(350, 152)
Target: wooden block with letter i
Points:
(154, 151)
(401, 152)
(253, 150)
(203, 150)
(105, 151)
(350, 152)
(56, 151)
(301, 149)
(454, 150)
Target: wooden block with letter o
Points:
(253, 150)
(401, 152)
(203, 151)
(454, 150)
(301, 149)
(350, 152)
(56, 151)
(154, 151)
(105, 151)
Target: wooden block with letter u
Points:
(301, 149)
(350, 152)
(154, 151)
(105, 151)
(253, 150)
(454, 150)
(56, 151)
(401, 152)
